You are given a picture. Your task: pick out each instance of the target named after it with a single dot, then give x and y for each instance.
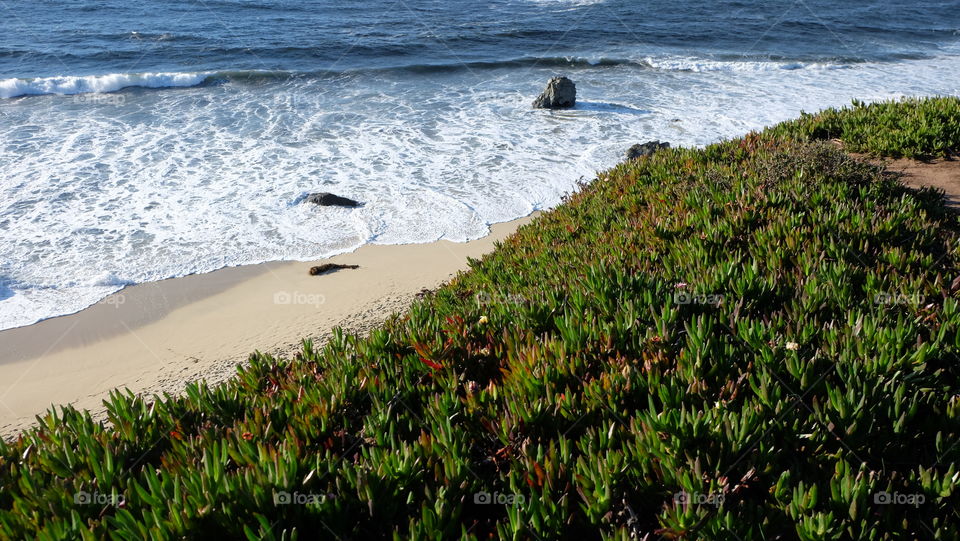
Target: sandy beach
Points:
(156, 337)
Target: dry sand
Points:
(154, 338)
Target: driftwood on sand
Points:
(330, 267)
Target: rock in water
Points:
(645, 149)
(328, 199)
(560, 93)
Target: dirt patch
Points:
(943, 174)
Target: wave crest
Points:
(111, 82)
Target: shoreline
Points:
(156, 337)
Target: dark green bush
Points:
(757, 340)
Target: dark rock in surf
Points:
(325, 199)
(645, 149)
(560, 93)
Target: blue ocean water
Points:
(141, 140)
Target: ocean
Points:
(143, 140)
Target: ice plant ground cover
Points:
(912, 128)
(755, 340)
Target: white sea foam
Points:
(168, 183)
(11, 88)
(678, 63)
